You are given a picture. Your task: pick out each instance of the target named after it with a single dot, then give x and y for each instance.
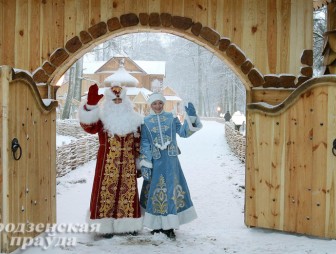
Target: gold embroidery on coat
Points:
(159, 199)
(113, 178)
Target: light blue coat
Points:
(165, 199)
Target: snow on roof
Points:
(152, 67)
(172, 98)
(132, 91)
(123, 77)
(92, 67)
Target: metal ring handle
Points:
(333, 149)
(16, 146)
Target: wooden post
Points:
(5, 78)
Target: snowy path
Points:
(215, 179)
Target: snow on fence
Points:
(70, 127)
(77, 152)
(236, 140)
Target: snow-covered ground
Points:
(216, 182)
(63, 140)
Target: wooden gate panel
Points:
(290, 169)
(330, 204)
(29, 183)
(297, 167)
(320, 156)
(330, 222)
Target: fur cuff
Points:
(137, 164)
(88, 117)
(146, 164)
(197, 122)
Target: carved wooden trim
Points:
(210, 35)
(327, 80)
(182, 22)
(129, 19)
(98, 30)
(307, 57)
(166, 19)
(48, 68)
(113, 24)
(154, 19)
(73, 44)
(85, 37)
(317, 4)
(27, 79)
(58, 56)
(40, 76)
(144, 19)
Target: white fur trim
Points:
(110, 225)
(199, 125)
(170, 221)
(88, 117)
(164, 146)
(91, 107)
(146, 164)
(193, 119)
(155, 97)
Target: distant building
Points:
(149, 74)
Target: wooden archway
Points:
(62, 58)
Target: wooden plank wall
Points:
(28, 189)
(290, 169)
(266, 30)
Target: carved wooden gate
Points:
(28, 152)
(290, 167)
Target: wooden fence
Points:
(235, 140)
(85, 147)
(77, 152)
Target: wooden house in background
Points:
(146, 72)
(173, 102)
(141, 77)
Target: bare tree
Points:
(319, 30)
(77, 81)
(70, 95)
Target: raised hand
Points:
(93, 97)
(190, 109)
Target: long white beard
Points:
(120, 119)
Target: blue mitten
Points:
(190, 109)
(146, 173)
